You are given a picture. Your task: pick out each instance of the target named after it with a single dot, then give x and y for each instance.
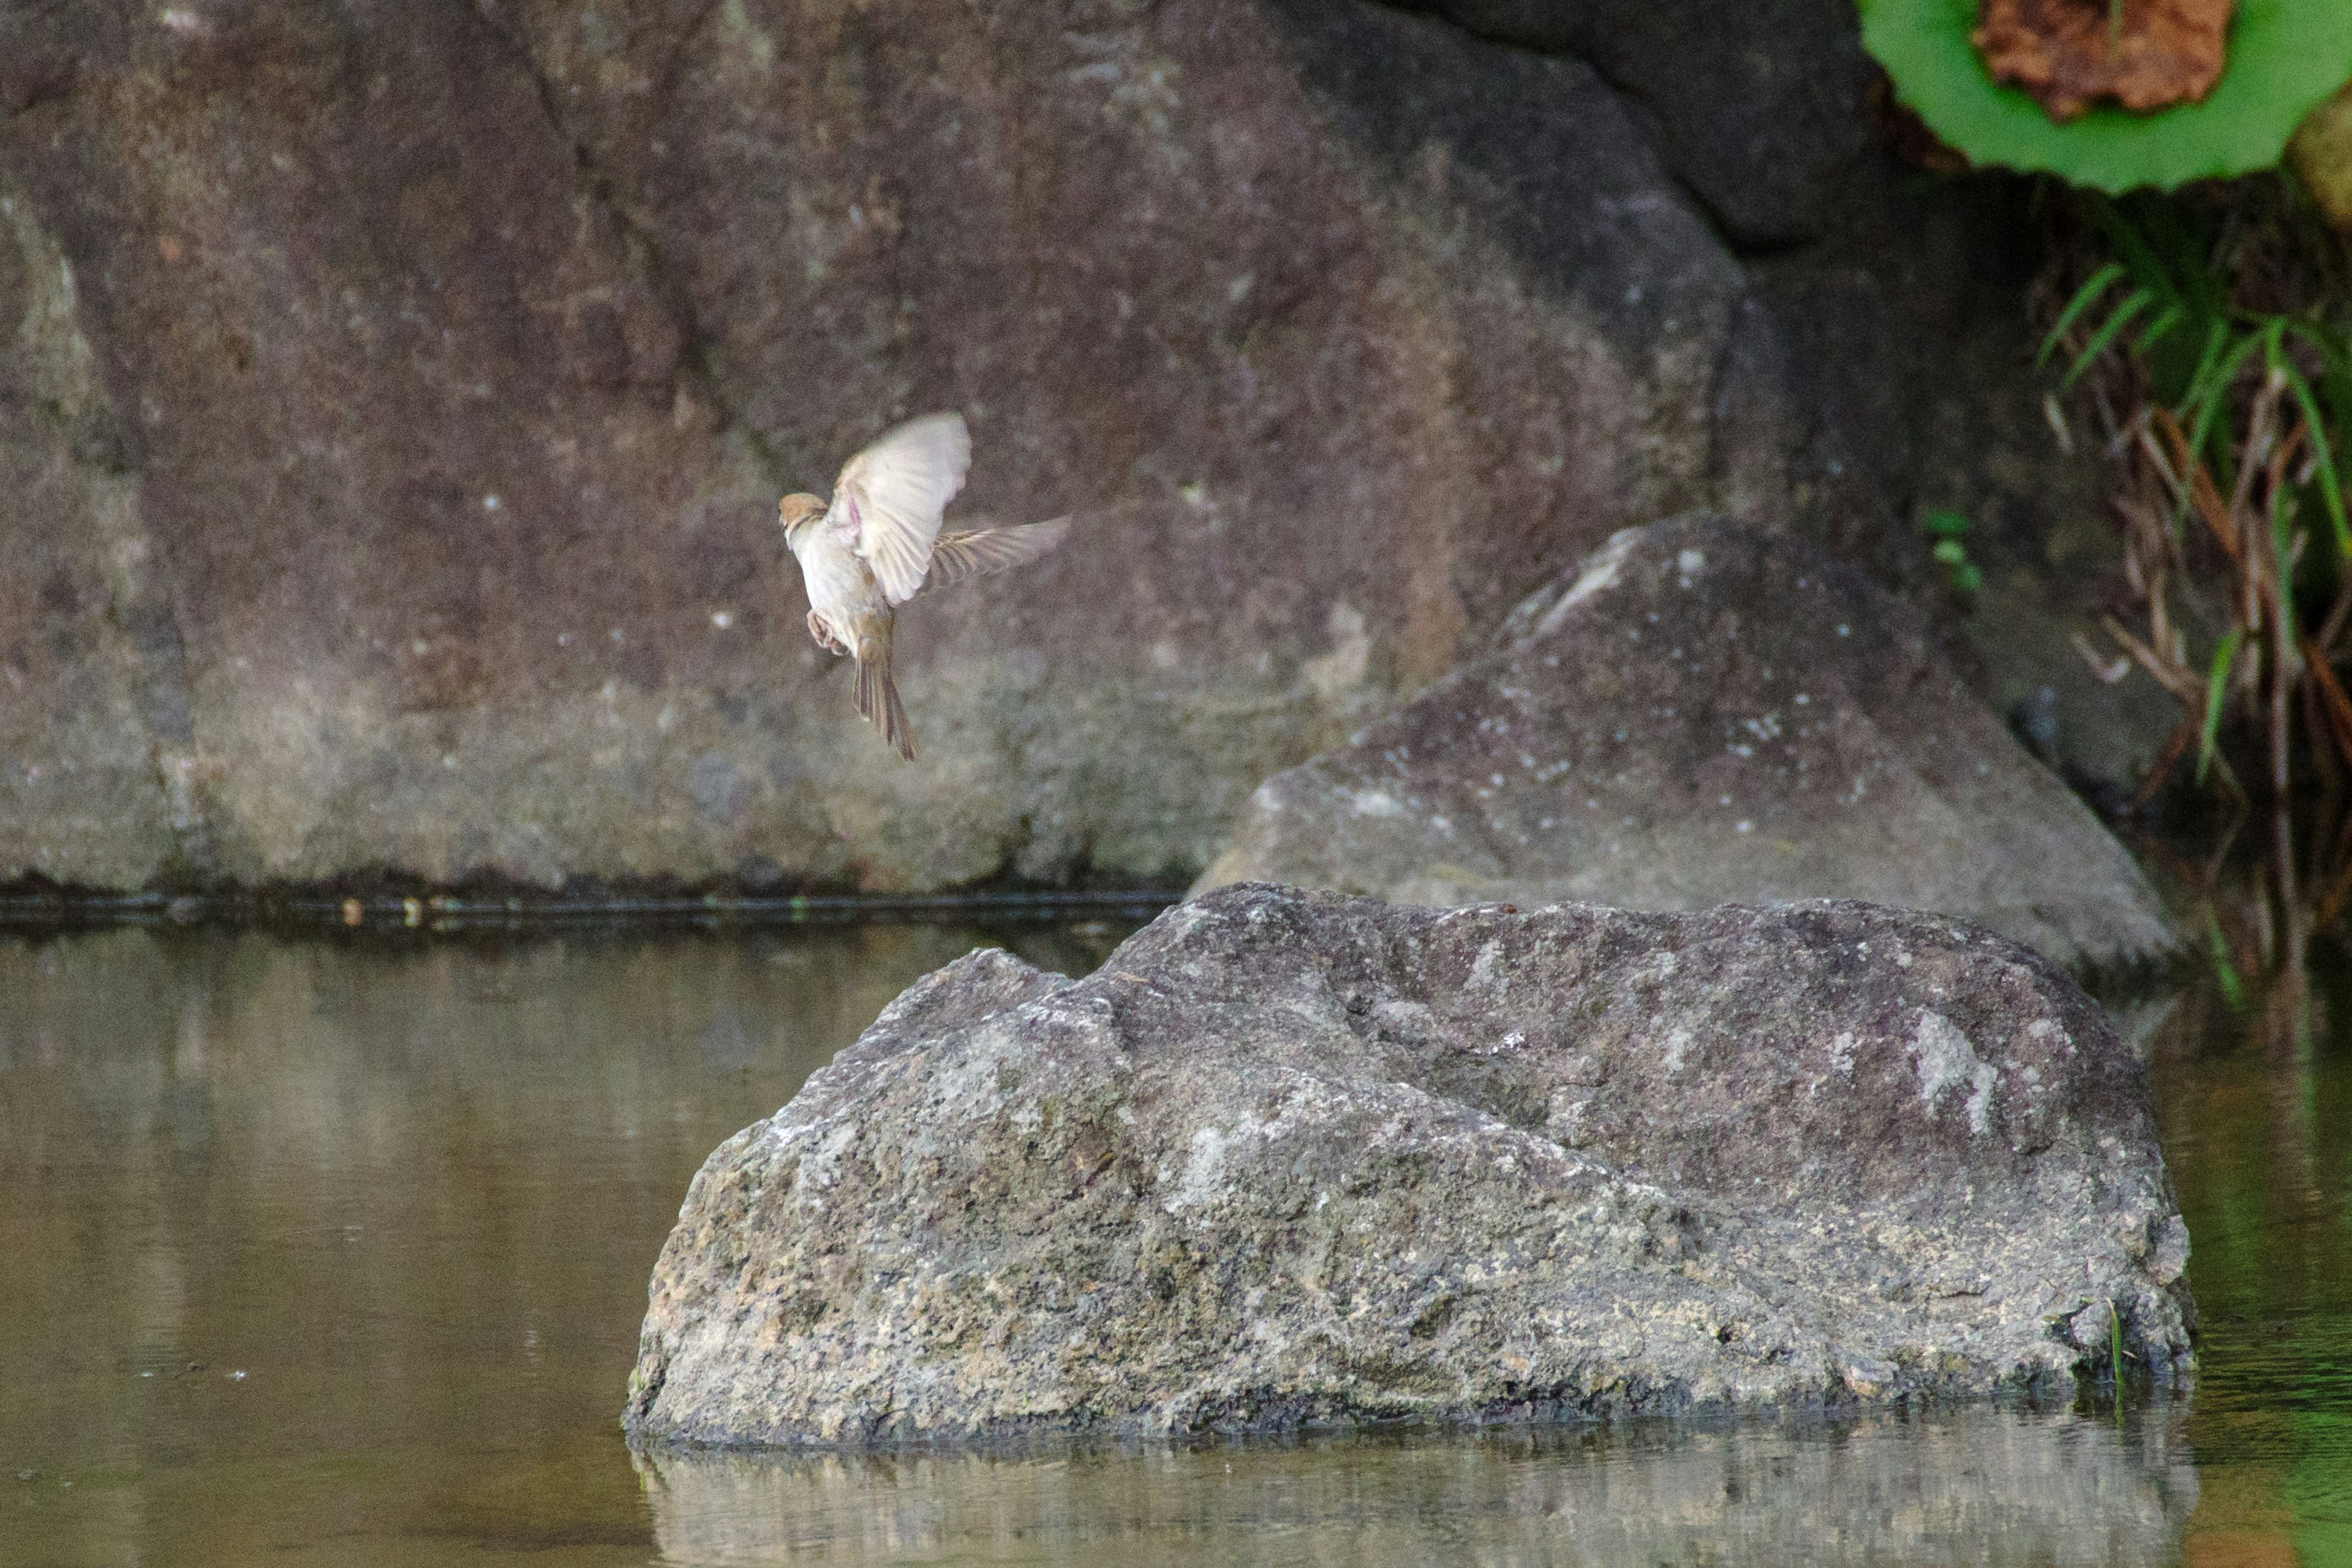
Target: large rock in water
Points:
(1295, 1158)
(396, 397)
(1706, 714)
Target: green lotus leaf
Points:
(2284, 58)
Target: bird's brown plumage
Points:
(877, 544)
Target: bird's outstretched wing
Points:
(889, 497)
(978, 551)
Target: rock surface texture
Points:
(1705, 713)
(1294, 1158)
(395, 399)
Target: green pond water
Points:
(334, 1251)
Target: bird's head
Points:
(797, 512)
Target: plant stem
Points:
(2282, 818)
(2116, 1354)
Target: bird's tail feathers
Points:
(878, 700)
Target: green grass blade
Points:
(2135, 301)
(2225, 973)
(2183, 246)
(2335, 366)
(2138, 252)
(2215, 398)
(2335, 380)
(2216, 684)
(2085, 298)
(2339, 383)
(2217, 338)
(2194, 403)
(2168, 318)
(2333, 352)
(2330, 491)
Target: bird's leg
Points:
(824, 635)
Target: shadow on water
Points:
(334, 1251)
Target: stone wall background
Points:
(396, 396)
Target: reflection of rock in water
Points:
(1986, 1486)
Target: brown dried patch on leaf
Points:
(2065, 53)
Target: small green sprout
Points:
(2225, 970)
(1950, 530)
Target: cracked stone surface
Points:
(1704, 712)
(1293, 1159)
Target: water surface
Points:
(334, 1252)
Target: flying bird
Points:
(877, 544)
